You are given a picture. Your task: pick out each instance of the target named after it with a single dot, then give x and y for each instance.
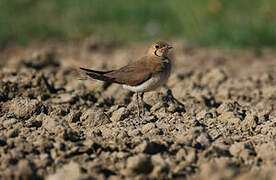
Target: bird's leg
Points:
(138, 106)
(142, 102)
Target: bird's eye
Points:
(157, 46)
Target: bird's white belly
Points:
(151, 84)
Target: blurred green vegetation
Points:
(236, 23)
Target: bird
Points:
(146, 74)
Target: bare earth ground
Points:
(219, 122)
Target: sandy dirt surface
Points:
(216, 119)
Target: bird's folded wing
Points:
(133, 74)
(130, 75)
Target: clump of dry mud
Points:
(216, 118)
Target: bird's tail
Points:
(99, 75)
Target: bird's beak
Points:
(167, 47)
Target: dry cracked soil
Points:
(215, 118)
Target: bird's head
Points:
(159, 48)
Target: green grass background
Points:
(235, 23)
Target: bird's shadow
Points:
(170, 98)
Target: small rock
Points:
(267, 151)
(149, 118)
(249, 123)
(13, 133)
(218, 168)
(42, 161)
(243, 150)
(40, 60)
(161, 167)
(8, 123)
(50, 123)
(192, 156)
(246, 155)
(200, 115)
(113, 108)
(70, 171)
(146, 128)
(34, 123)
(187, 154)
(158, 106)
(24, 170)
(54, 153)
(181, 154)
(60, 146)
(196, 137)
(70, 135)
(214, 77)
(153, 98)
(150, 147)
(228, 106)
(122, 134)
(3, 140)
(114, 178)
(109, 132)
(44, 97)
(236, 149)
(76, 117)
(221, 149)
(139, 164)
(97, 168)
(92, 118)
(134, 132)
(229, 117)
(121, 155)
(24, 108)
(120, 114)
(204, 140)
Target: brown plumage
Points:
(132, 74)
(148, 73)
